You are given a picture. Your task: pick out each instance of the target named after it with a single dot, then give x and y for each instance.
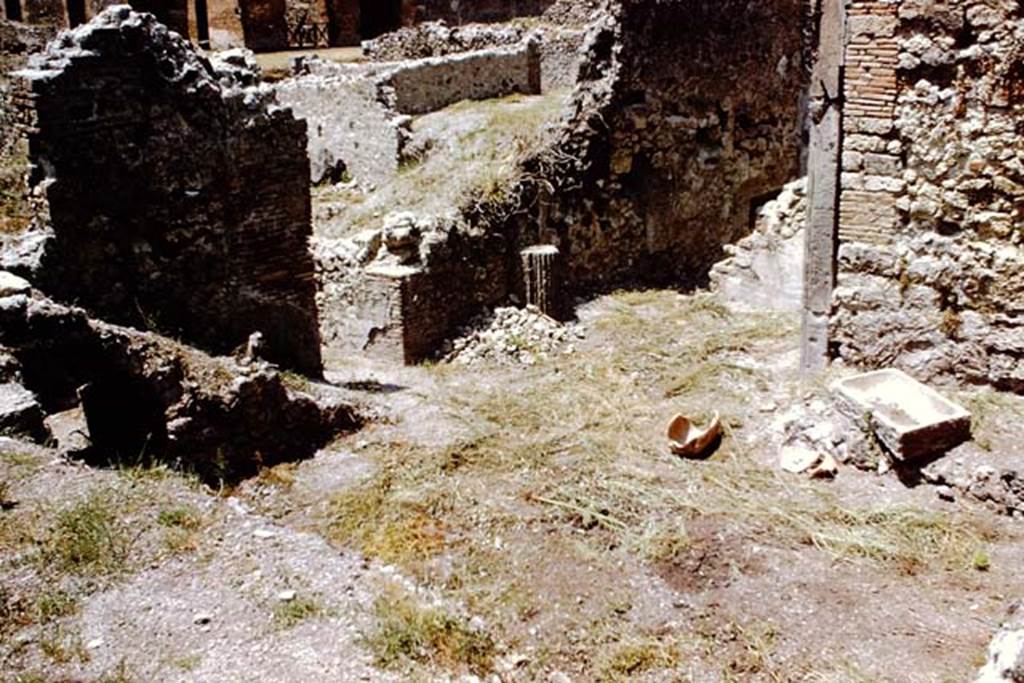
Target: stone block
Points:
(909, 418)
(20, 412)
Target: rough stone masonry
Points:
(166, 195)
(930, 269)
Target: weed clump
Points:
(88, 539)
(293, 612)
(406, 631)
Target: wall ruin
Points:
(358, 115)
(668, 147)
(200, 229)
(673, 140)
(930, 272)
(144, 396)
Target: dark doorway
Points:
(379, 16)
(12, 10)
(76, 12)
(202, 25)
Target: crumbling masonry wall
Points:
(930, 261)
(172, 202)
(358, 115)
(688, 112)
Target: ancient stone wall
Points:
(436, 39)
(688, 112)
(16, 42)
(357, 115)
(352, 125)
(559, 46)
(174, 202)
(397, 293)
(430, 84)
(930, 266)
(144, 395)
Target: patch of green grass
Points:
(625, 661)
(54, 604)
(293, 612)
(295, 381)
(181, 528)
(88, 538)
(62, 646)
(405, 631)
(18, 459)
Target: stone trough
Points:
(909, 418)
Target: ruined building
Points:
(164, 198)
(278, 24)
(930, 194)
(659, 158)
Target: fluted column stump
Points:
(542, 278)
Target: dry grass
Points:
(995, 416)
(567, 460)
(478, 148)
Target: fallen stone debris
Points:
(1006, 653)
(513, 336)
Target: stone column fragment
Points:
(542, 278)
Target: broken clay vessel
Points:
(689, 441)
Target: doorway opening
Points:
(202, 25)
(379, 16)
(12, 10)
(76, 12)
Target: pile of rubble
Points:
(901, 426)
(436, 39)
(512, 336)
(106, 393)
(764, 270)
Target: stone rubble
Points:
(1006, 652)
(114, 392)
(765, 269)
(513, 336)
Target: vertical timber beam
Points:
(823, 172)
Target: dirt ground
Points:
(518, 523)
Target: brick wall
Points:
(174, 204)
(930, 263)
